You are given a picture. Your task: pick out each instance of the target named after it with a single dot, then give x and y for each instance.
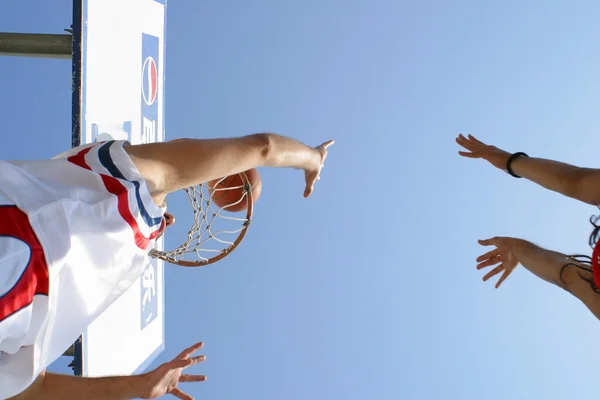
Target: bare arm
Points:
(150, 385)
(578, 183)
(545, 264)
(65, 387)
(561, 270)
(551, 266)
(181, 163)
(582, 184)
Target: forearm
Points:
(286, 152)
(178, 164)
(557, 176)
(66, 387)
(545, 264)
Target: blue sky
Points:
(368, 289)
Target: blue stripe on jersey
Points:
(107, 162)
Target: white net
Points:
(221, 217)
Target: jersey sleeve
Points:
(73, 151)
(121, 178)
(107, 158)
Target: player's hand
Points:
(312, 175)
(164, 379)
(478, 149)
(503, 255)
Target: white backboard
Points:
(118, 81)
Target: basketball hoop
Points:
(214, 234)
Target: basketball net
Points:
(215, 232)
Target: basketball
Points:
(226, 198)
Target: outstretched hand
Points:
(503, 254)
(478, 149)
(164, 379)
(313, 175)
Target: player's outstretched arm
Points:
(582, 184)
(554, 267)
(182, 163)
(151, 385)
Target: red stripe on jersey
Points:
(35, 277)
(114, 186)
(79, 159)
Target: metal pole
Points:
(36, 45)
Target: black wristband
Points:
(510, 161)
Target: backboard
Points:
(118, 92)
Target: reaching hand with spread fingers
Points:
(503, 255)
(579, 183)
(312, 175)
(164, 379)
(477, 149)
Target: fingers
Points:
(463, 141)
(328, 143)
(488, 242)
(192, 378)
(186, 362)
(190, 350)
(503, 278)
(474, 139)
(308, 190)
(488, 255)
(176, 364)
(466, 144)
(197, 359)
(469, 155)
(492, 258)
(311, 178)
(323, 151)
(489, 263)
(181, 395)
(470, 142)
(469, 139)
(493, 272)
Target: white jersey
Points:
(75, 232)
